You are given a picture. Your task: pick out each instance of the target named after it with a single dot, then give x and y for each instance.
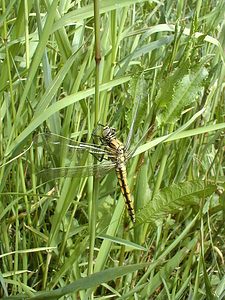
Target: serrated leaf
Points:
(179, 90)
(166, 90)
(186, 92)
(174, 198)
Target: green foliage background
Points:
(71, 238)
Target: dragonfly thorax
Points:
(116, 148)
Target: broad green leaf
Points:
(174, 198)
(180, 90)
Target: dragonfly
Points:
(111, 153)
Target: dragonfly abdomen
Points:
(122, 178)
(118, 156)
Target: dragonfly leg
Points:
(99, 158)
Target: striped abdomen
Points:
(121, 173)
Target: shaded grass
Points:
(168, 56)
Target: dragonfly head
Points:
(108, 133)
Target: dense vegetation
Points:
(66, 67)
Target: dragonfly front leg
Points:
(99, 158)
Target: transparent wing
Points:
(54, 142)
(77, 171)
(69, 158)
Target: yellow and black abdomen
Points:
(117, 150)
(122, 178)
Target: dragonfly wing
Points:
(77, 171)
(69, 158)
(61, 151)
(55, 142)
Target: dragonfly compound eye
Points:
(109, 132)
